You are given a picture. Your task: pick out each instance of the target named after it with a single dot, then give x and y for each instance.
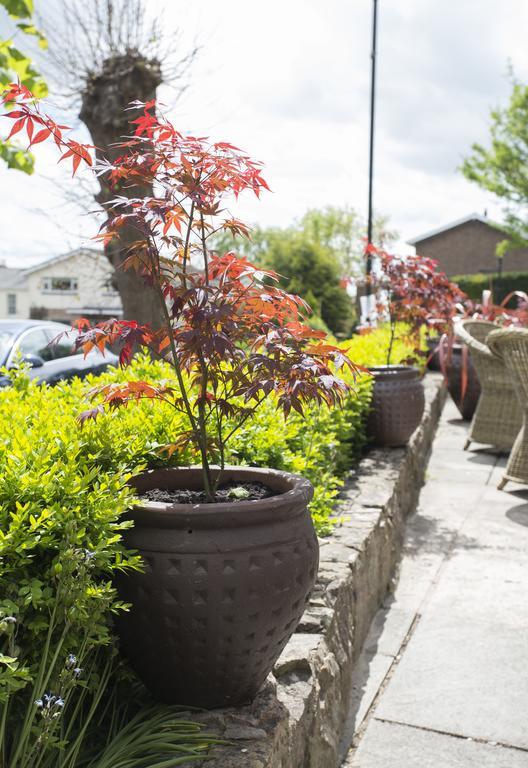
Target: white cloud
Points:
(289, 82)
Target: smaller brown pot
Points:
(454, 366)
(397, 404)
(433, 356)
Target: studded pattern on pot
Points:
(222, 592)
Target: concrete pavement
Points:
(443, 678)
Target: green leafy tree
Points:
(16, 65)
(343, 231)
(312, 272)
(501, 167)
(315, 255)
(307, 269)
(340, 230)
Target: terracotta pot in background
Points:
(397, 404)
(224, 589)
(453, 371)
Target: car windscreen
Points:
(6, 341)
(62, 342)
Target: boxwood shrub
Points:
(501, 286)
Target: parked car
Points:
(31, 340)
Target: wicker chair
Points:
(498, 416)
(511, 346)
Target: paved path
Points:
(443, 680)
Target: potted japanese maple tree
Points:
(414, 298)
(230, 552)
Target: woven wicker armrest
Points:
(463, 335)
(494, 345)
(502, 341)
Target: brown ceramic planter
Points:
(468, 405)
(225, 586)
(433, 355)
(397, 404)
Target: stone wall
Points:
(297, 719)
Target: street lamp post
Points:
(368, 265)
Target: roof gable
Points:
(89, 252)
(454, 224)
(11, 277)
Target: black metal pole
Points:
(371, 147)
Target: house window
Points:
(11, 303)
(60, 284)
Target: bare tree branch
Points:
(102, 55)
(82, 34)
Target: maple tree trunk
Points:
(122, 79)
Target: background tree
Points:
(305, 268)
(340, 230)
(312, 272)
(15, 64)
(104, 54)
(315, 256)
(501, 167)
(343, 231)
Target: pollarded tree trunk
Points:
(122, 79)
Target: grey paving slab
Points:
(463, 677)
(414, 580)
(432, 534)
(459, 473)
(513, 494)
(500, 527)
(389, 629)
(369, 674)
(388, 745)
(449, 503)
(473, 462)
(476, 454)
(499, 471)
(483, 586)
(517, 512)
(457, 693)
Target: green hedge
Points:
(62, 492)
(473, 285)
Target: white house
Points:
(64, 288)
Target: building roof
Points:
(11, 277)
(15, 277)
(452, 225)
(93, 252)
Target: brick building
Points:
(467, 247)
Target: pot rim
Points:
(394, 372)
(293, 495)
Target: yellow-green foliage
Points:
(60, 543)
(371, 348)
(321, 447)
(41, 433)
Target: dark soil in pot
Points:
(454, 367)
(397, 404)
(224, 588)
(228, 492)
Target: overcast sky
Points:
(288, 80)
